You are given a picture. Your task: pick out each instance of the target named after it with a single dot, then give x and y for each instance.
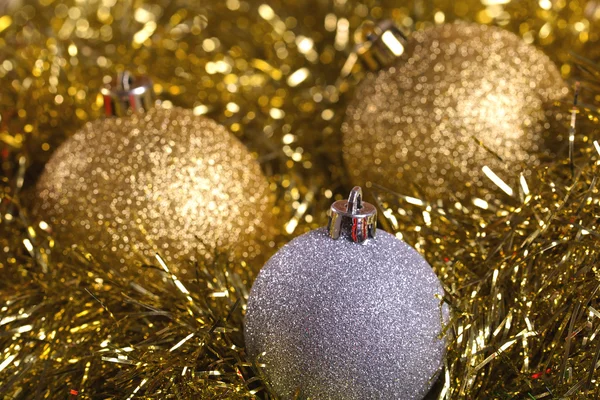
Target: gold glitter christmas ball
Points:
(458, 104)
(166, 181)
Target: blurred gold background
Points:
(519, 273)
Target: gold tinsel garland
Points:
(521, 277)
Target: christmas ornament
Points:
(448, 106)
(165, 181)
(347, 312)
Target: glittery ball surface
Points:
(166, 182)
(333, 319)
(461, 97)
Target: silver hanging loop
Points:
(352, 218)
(129, 94)
(379, 44)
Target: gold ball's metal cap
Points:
(129, 94)
(379, 44)
(353, 218)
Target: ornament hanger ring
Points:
(353, 218)
(129, 94)
(125, 80)
(378, 46)
(355, 200)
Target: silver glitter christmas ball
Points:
(334, 319)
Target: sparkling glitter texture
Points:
(270, 72)
(166, 181)
(333, 319)
(460, 98)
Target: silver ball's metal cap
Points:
(379, 44)
(352, 218)
(129, 94)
